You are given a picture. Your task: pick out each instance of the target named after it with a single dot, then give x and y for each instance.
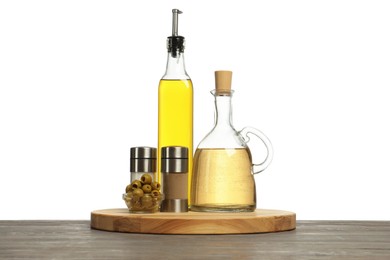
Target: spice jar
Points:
(174, 175)
(142, 160)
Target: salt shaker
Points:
(142, 160)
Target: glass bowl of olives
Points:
(143, 196)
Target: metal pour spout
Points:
(175, 21)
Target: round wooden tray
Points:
(262, 220)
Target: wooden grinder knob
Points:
(223, 82)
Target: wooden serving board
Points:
(262, 220)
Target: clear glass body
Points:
(222, 175)
(175, 111)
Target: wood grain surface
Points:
(262, 220)
(310, 240)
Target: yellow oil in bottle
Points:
(175, 113)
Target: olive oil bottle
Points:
(175, 101)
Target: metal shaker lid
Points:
(174, 159)
(143, 159)
(174, 152)
(144, 152)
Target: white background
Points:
(78, 88)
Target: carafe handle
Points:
(257, 168)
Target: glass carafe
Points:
(223, 170)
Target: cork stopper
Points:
(223, 82)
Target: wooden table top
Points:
(310, 240)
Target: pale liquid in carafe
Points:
(223, 180)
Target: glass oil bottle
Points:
(223, 171)
(175, 100)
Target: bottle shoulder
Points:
(222, 138)
(176, 83)
(175, 77)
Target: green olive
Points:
(129, 196)
(147, 202)
(136, 184)
(146, 179)
(129, 188)
(138, 192)
(147, 188)
(136, 206)
(155, 193)
(155, 185)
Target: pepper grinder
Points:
(174, 175)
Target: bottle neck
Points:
(175, 66)
(223, 111)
